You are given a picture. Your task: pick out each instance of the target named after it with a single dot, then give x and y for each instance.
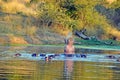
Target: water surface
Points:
(26, 69)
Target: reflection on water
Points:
(68, 69)
(58, 70)
(54, 70)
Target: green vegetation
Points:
(31, 18)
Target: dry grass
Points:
(31, 30)
(16, 40)
(111, 1)
(7, 18)
(113, 31)
(2, 41)
(15, 6)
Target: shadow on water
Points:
(16, 69)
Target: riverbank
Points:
(92, 47)
(41, 37)
(11, 50)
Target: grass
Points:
(99, 47)
(96, 47)
(16, 6)
(97, 42)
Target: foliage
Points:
(50, 14)
(99, 17)
(115, 4)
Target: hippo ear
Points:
(66, 41)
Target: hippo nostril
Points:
(69, 55)
(57, 55)
(111, 57)
(42, 55)
(83, 56)
(118, 60)
(34, 55)
(17, 54)
(52, 56)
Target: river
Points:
(25, 69)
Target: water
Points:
(14, 68)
